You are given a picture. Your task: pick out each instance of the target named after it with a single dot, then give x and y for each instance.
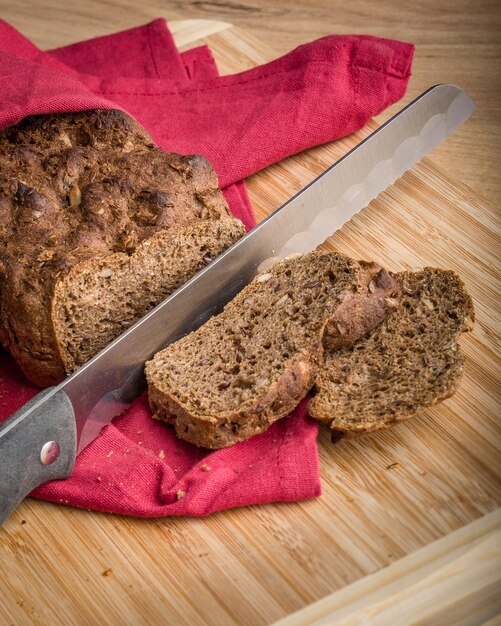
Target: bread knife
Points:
(40, 441)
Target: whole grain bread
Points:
(408, 363)
(97, 225)
(252, 364)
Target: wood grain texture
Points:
(455, 580)
(457, 41)
(385, 496)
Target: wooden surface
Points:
(455, 580)
(384, 497)
(457, 41)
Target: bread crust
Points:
(79, 188)
(280, 399)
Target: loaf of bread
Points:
(408, 363)
(252, 364)
(97, 226)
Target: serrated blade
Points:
(105, 385)
(373, 165)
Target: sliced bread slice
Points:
(410, 362)
(252, 364)
(99, 298)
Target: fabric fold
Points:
(146, 51)
(242, 122)
(148, 472)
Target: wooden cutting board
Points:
(384, 497)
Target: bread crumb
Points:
(98, 479)
(161, 454)
(23, 522)
(107, 572)
(392, 465)
(205, 468)
(180, 494)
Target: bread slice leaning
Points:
(252, 364)
(410, 362)
(97, 226)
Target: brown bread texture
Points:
(97, 226)
(253, 363)
(410, 362)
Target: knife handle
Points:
(37, 444)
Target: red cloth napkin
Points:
(242, 123)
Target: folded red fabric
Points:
(137, 466)
(242, 123)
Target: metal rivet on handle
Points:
(49, 452)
